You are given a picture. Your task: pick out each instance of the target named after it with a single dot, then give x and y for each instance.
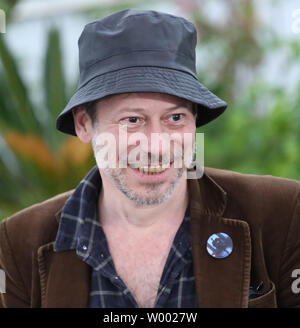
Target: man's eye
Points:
(131, 120)
(176, 117)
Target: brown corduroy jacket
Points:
(261, 214)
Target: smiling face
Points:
(146, 115)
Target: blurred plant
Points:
(259, 132)
(36, 161)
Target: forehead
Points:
(142, 101)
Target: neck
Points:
(125, 214)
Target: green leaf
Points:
(23, 109)
(54, 84)
(54, 80)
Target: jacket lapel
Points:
(219, 282)
(64, 277)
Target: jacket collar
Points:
(219, 282)
(206, 196)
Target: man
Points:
(144, 234)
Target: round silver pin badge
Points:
(219, 245)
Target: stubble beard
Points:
(151, 196)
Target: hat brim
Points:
(144, 79)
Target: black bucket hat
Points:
(139, 51)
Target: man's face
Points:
(128, 117)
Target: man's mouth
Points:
(150, 170)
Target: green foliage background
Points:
(259, 133)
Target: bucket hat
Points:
(139, 51)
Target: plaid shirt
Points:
(80, 229)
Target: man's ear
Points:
(83, 124)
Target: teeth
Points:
(151, 169)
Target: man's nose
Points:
(158, 138)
